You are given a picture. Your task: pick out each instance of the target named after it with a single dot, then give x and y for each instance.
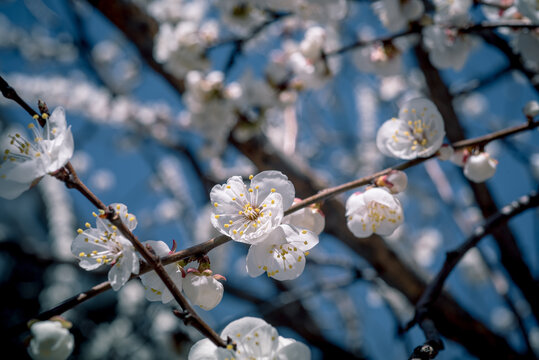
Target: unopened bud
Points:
(396, 181)
(531, 109)
(479, 168)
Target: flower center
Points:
(251, 212)
(29, 150)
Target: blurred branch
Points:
(511, 257)
(283, 314)
(434, 289)
(515, 60)
(475, 84)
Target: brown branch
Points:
(10, 93)
(69, 176)
(195, 251)
(434, 289)
(511, 258)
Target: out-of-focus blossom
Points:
(50, 341)
(397, 14)
(373, 211)
(447, 47)
(182, 48)
(154, 288)
(417, 132)
(27, 161)
(104, 245)
(455, 12)
(254, 339)
(379, 58)
(211, 108)
(241, 16)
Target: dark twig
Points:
(434, 289)
(10, 93)
(69, 176)
(203, 248)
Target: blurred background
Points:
(154, 135)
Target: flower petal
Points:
(268, 180)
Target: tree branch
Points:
(434, 289)
(511, 257)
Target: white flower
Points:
(418, 132)
(397, 14)
(313, 43)
(310, 218)
(254, 339)
(396, 181)
(211, 108)
(241, 16)
(50, 341)
(25, 161)
(447, 47)
(374, 211)
(154, 288)
(282, 254)
(203, 289)
(182, 48)
(455, 12)
(104, 245)
(249, 215)
(480, 167)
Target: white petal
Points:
(301, 238)
(159, 247)
(381, 196)
(153, 286)
(242, 327)
(261, 342)
(255, 260)
(307, 218)
(296, 351)
(267, 180)
(58, 119)
(391, 140)
(205, 350)
(23, 172)
(10, 189)
(128, 219)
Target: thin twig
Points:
(69, 176)
(434, 289)
(203, 248)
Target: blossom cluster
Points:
(254, 215)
